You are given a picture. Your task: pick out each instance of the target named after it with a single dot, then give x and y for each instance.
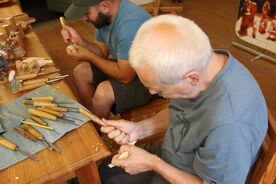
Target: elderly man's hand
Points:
(79, 53)
(121, 131)
(138, 160)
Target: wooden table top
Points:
(79, 147)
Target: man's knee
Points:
(104, 93)
(83, 72)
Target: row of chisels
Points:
(44, 107)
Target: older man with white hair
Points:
(216, 120)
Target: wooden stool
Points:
(157, 7)
(146, 111)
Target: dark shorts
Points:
(127, 96)
(117, 175)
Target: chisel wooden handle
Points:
(93, 117)
(38, 120)
(31, 86)
(56, 113)
(30, 102)
(45, 104)
(59, 109)
(39, 103)
(7, 144)
(25, 133)
(32, 131)
(26, 77)
(35, 81)
(50, 98)
(42, 114)
(62, 21)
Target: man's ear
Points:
(192, 77)
(105, 7)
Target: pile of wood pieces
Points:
(12, 33)
(28, 72)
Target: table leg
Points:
(88, 174)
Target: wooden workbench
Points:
(81, 148)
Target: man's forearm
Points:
(113, 69)
(93, 47)
(157, 124)
(173, 174)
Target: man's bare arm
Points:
(157, 124)
(121, 70)
(173, 174)
(98, 48)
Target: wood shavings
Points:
(97, 147)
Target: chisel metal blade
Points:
(67, 121)
(49, 72)
(27, 154)
(52, 146)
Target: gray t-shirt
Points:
(119, 35)
(217, 135)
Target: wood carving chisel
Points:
(47, 115)
(57, 113)
(33, 81)
(62, 108)
(38, 120)
(10, 145)
(97, 120)
(46, 98)
(40, 137)
(63, 23)
(25, 133)
(35, 85)
(34, 75)
(91, 116)
(31, 102)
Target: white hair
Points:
(172, 46)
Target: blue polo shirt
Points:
(217, 135)
(119, 35)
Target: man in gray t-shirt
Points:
(106, 81)
(216, 120)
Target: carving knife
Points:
(35, 85)
(43, 80)
(34, 75)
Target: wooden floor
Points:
(217, 18)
